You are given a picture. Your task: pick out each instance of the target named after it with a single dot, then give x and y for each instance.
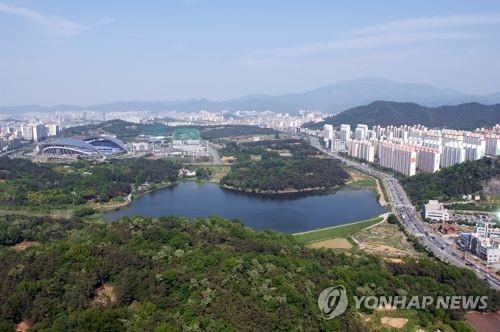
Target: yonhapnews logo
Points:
(333, 302)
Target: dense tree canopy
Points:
(23, 182)
(206, 274)
(450, 182)
(299, 169)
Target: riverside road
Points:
(441, 248)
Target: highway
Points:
(411, 220)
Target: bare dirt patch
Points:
(336, 243)
(386, 240)
(22, 327)
(104, 296)
(396, 323)
(395, 260)
(380, 248)
(25, 244)
(484, 322)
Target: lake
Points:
(290, 213)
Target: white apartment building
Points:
(337, 144)
(53, 129)
(27, 132)
(492, 145)
(398, 157)
(345, 132)
(361, 132)
(453, 153)
(361, 149)
(474, 151)
(428, 160)
(328, 132)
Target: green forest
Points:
(127, 131)
(299, 169)
(171, 274)
(24, 183)
(451, 182)
(468, 116)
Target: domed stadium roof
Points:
(106, 144)
(69, 147)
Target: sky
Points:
(90, 52)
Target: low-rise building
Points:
(436, 211)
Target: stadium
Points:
(91, 147)
(107, 145)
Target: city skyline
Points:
(221, 50)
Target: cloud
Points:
(394, 33)
(430, 23)
(53, 24)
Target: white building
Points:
(141, 146)
(492, 146)
(53, 129)
(453, 153)
(337, 144)
(398, 157)
(27, 132)
(361, 132)
(345, 132)
(428, 160)
(328, 132)
(436, 211)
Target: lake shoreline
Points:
(289, 213)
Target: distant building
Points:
(328, 132)
(345, 132)
(436, 211)
(53, 129)
(188, 142)
(141, 146)
(185, 136)
(361, 132)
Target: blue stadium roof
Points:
(72, 142)
(111, 139)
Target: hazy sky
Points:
(86, 52)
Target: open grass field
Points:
(367, 183)
(342, 231)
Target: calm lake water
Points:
(287, 213)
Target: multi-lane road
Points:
(442, 248)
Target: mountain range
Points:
(332, 99)
(467, 116)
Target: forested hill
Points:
(209, 274)
(127, 130)
(450, 182)
(464, 116)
